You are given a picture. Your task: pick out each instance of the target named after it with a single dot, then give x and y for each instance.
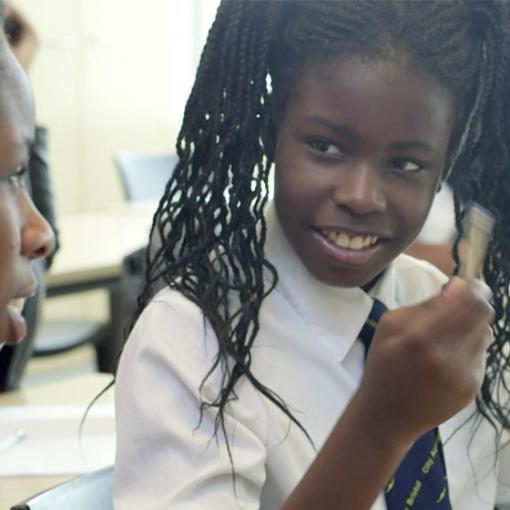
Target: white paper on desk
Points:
(53, 444)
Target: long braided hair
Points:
(209, 231)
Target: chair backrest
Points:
(144, 176)
(130, 286)
(92, 491)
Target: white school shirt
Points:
(307, 352)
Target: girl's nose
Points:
(37, 237)
(361, 190)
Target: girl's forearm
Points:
(358, 459)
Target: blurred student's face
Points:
(359, 157)
(24, 234)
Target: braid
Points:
(211, 218)
(479, 172)
(209, 232)
(491, 187)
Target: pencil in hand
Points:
(477, 234)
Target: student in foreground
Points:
(248, 381)
(24, 233)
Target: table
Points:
(78, 390)
(94, 244)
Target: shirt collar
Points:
(336, 313)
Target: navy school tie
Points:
(420, 481)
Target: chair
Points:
(55, 336)
(144, 176)
(92, 491)
(124, 306)
(62, 335)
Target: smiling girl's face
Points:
(24, 234)
(359, 156)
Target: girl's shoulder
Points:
(406, 262)
(417, 279)
(175, 303)
(172, 345)
(173, 328)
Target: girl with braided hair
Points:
(247, 381)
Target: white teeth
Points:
(343, 240)
(356, 243)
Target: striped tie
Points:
(420, 481)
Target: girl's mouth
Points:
(349, 242)
(348, 248)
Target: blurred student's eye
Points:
(405, 165)
(17, 178)
(325, 147)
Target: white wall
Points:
(110, 75)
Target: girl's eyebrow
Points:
(332, 126)
(345, 131)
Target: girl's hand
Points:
(427, 362)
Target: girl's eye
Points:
(18, 177)
(325, 147)
(404, 165)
